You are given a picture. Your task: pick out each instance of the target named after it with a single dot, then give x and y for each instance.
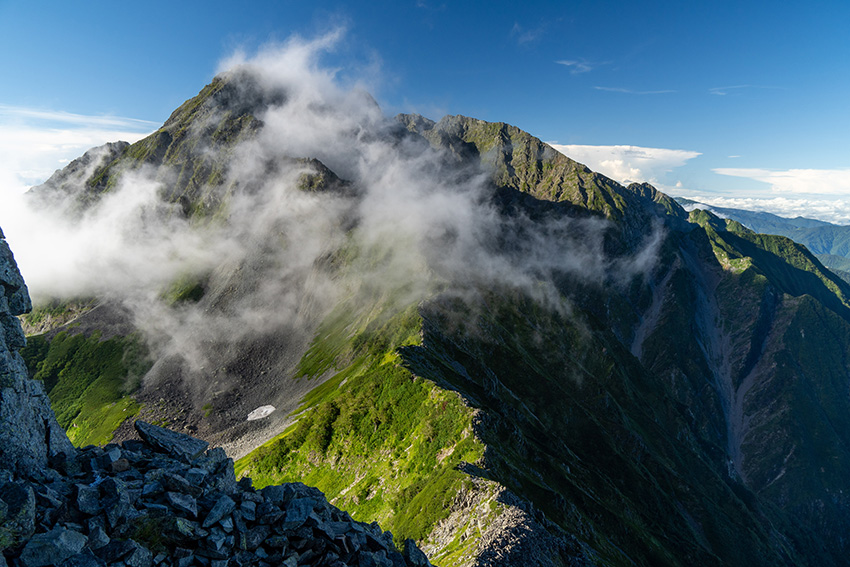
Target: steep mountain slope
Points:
(478, 341)
(829, 242)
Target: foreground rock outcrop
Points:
(168, 501)
(164, 500)
(29, 433)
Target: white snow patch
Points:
(260, 413)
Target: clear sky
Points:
(742, 102)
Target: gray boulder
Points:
(176, 444)
(52, 548)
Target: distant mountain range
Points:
(454, 330)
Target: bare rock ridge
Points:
(165, 500)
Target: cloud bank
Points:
(801, 181)
(836, 211)
(627, 164)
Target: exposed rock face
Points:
(29, 433)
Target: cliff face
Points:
(28, 429)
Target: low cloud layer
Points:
(627, 164)
(836, 211)
(800, 181)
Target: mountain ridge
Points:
(575, 367)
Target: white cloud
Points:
(723, 91)
(805, 181)
(830, 210)
(632, 91)
(628, 163)
(524, 35)
(8, 112)
(578, 66)
(34, 142)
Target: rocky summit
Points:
(164, 500)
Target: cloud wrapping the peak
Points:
(407, 219)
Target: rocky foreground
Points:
(169, 501)
(165, 500)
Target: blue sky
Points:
(742, 103)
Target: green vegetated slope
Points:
(53, 313)
(788, 265)
(518, 160)
(566, 418)
(88, 380)
(521, 163)
(381, 442)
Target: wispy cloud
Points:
(578, 66)
(723, 91)
(628, 163)
(805, 181)
(36, 142)
(20, 113)
(439, 7)
(524, 35)
(632, 91)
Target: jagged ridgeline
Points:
(452, 329)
